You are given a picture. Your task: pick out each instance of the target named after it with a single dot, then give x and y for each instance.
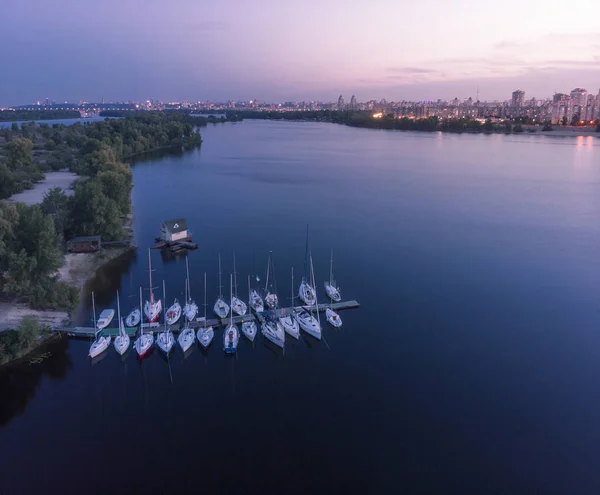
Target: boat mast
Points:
(249, 298)
(119, 314)
(205, 299)
(188, 287)
(231, 297)
(331, 269)
(306, 255)
(94, 311)
(141, 316)
(268, 268)
(165, 299)
(234, 277)
(293, 290)
(312, 276)
(220, 286)
(150, 276)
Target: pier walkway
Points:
(200, 322)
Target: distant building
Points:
(518, 98)
(341, 105)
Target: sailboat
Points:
(290, 325)
(231, 335)
(122, 340)
(105, 318)
(305, 319)
(152, 308)
(173, 313)
(186, 337)
(306, 291)
(100, 343)
(271, 299)
(256, 301)
(133, 319)
(166, 340)
(333, 291)
(221, 308)
(249, 327)
(190, 310)
(205, 334)
(272, 329)
(145, 340)
(237, 305)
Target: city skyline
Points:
(299, 52)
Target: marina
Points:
(84, 332)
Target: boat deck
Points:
(200, 322)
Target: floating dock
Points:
(200, 322)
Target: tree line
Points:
(28, 115)
(32, 237)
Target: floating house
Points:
(90, 244)
(174, 230)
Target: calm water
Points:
(471, 367)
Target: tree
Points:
(518, 128)
(29, 331)
(547, 127)
(56, 204)
(19, 153)
(564, 120)
(575, 119)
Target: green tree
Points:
(564, 120)
(575, 119)
(56, 205)
(19, 153)
(29, 332)
(518, 128)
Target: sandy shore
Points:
(62, 179)
(11, 314)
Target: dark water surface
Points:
(471, 367)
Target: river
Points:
(471, 366)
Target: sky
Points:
(303, 50)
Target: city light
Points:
(378, 115)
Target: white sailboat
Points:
(271, 299)
(237, 305)
(231, 336)
(290, 325)
(221, 308)
(105, 318)
(145, 340)
(186, 337)
(307, 292)
(273, 330)
(205, 334)
(333, 291)
(133, 319)
(166, 340)
(122, 340)
(190, 310)
(333, 318)
(249, 327)
(152, 307)
(305, 319)
(100, 343)
(173, 313)
(256, 301)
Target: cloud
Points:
(211, 26)
(410, 70)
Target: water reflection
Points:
(104, 285)
(18, 382)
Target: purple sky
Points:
(295, 49)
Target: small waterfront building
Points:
(174, 230)
(89, 244)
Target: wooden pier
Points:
(200, 322)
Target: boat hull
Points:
(153, 310)
(249, 330)
(165, 341)
(133, 319)
(143, 344)
(231, 339)
(99, 346)
(221, 308)
(290, 326)
(122, 344)
(190, 311)
(238, 306)
(307, 294)
(205, 336)
(186, 339)
(310, 326)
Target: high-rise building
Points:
(578, 103)
(353, 103)
(341, 105)
(518, 98)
